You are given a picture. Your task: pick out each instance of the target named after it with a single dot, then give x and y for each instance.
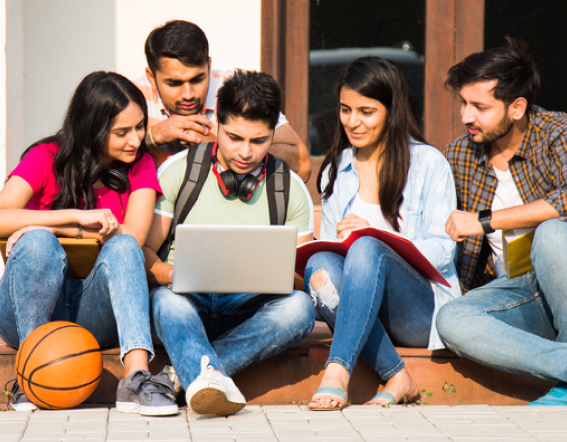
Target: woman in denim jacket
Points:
(380, 172)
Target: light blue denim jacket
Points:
(429, 198)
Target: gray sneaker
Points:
(169, 371)
(17, 400)
(146, 394)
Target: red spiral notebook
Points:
(403, 246)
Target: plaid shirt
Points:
(536, 168)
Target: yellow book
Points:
(517, 247)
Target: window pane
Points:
(541, 25)
(342, 31)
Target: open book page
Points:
(399, 243)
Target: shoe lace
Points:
(205, 367)
(144, 383)
(14, 393)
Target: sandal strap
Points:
(383, 395)
(329, 392)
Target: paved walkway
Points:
(292, 423)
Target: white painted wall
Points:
(3, 112)
(2, 93)
(233, 28)
(14, 82)
(66, 39)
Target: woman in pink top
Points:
(93, 179)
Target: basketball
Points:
(59, 365)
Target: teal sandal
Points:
(336, 394)
(557, 396)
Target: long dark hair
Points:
(382, 80)
(96, 102)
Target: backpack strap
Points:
(277, 188)
(198, 165)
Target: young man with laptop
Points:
(211, 335)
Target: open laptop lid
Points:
(234, 259)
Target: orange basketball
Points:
(59, 365)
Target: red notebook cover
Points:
(403, 246)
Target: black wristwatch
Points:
(485, 216)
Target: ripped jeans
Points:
(233, 330)
(372, 299)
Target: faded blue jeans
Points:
(112, 302)
(517, 325)
(372, 299)
(233, 330)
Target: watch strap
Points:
(485, 216)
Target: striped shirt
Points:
(536, 168)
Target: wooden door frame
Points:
(285, 56)
(453, 30)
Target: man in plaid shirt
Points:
(508, 171)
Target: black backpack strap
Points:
(198, 165)
(277, 187)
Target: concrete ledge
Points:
(293, 376)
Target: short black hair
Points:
(511, 65)
(251, 95)
(182, 40)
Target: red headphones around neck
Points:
(231, 185)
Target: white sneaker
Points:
(214, 393)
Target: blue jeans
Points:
(372, 300)
(233, 330)
(517, 325)
(112, 302)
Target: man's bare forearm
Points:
(288, 146)
(462, 224)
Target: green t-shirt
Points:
(212, 207)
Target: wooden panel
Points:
(271, 51)
(296, 77)
(469, 38)
(439, 57)
(285, 55)
(454, 30)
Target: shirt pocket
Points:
(414, 221)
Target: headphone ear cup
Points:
(230, 181)
(247, 187)
(116, 180)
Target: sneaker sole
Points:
(127, 407)
(26, 406)
(166, 410)
(213, 401)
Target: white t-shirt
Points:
(373, 214)
(506, 195)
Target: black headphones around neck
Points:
(116, 179)
(231, 185)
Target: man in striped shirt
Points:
(180, 88)
(508, 171)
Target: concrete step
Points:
(293, 376)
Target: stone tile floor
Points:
(290, 423)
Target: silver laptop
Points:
(234, 259)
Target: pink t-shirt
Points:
(37, 170)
